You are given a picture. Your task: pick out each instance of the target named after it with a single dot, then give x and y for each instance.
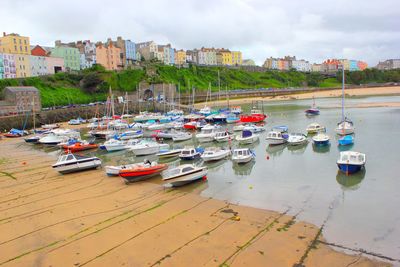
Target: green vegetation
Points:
(92, 84)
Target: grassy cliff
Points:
(92, 84)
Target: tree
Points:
(90, 82)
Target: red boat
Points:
(255, 116)
(142, 171)
(191, 125)
(79, 147)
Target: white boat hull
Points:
(243, 159)
(276, 141)
(78, 166)
(183, 180)
(247, 140)
(215, 157)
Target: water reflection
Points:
(297, 150)
(321, 149)
(243, 169)
(350, 182)
(345, 148)
(215, 165)
(275, 150)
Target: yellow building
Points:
(180, 57)
(237, 58)
(14, 44)
(224, 57)
(22, 65)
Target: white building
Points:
(301, 65)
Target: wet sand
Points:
(89, 219)
(357, 92)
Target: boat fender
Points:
(204, 178)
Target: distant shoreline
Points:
(366, 91)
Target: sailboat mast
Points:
(227, 95)
(342, 92)
(219, 87)
(179, 95)
(127, 103)
(138, 96)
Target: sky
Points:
(313, 30)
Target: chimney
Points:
(4, 33)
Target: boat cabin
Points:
(274, 134)
(241, 152)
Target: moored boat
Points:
(346, 140)
(73, 163)
(253, 128)
(296, 139)
(275, 138)
(222, 136)
(79, 146)
(169, 153)
(147, 148)
(141, 172)
(181, 136)
(190, 153)
(345, 127)
(315, 128)
(351, 162)
(184, 174)
(242, 155)
(321, 139)
(254, 117)
(247, 137)
(215, 153)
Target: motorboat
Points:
(147, 148)
(16, 133)
(351, 162)
(130, 134)
(238, 127)
(242, 155)
(164, 134)
(205, 111)
(222, 136)
(33, 139)
(135, 126)
(207, 133)
(160, 126)
(321, 139)
(232, 118)
(247, 137)
(50, 126)
(346, 140)
(73, 163)
(254, 116)
(183, 175)
(191, 125)
(53, 139)
(175, 112)
(79, 146)
(315, 128)
(181, 136)
(280, 128)
(296, 139)
(220, 118)
(169, 153)
(77, 121)
(190, 153)
(236, 110)
(254, 128)
(114, 145)
(275, 138)
(345, 127)
(103, 134)
(215, 153)
(143, 171)
(114, 170)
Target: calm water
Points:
(359, 211)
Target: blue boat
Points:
(321, 139)
(190, 153)
(350, 162)
(346, 140)
(232, 118)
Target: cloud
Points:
(309, 29)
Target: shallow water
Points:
(358, 211)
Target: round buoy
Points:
(204, 178)
(267, 157)
(24, 163)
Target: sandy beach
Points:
(89, 219)
(357, 92)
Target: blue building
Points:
(171, 56)
(353, 65)
(130, 51)
(1, 66)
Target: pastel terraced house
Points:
(14, 44)
(180, 57)
(236, 58)
(224, 57)
(108, 55)
(71, 55)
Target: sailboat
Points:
(33, 139)
(345, 126)
(313, 110)
(206, 110)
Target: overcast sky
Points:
(311, 29)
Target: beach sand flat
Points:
(89, 219)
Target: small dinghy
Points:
(181, 136)
(147, 148)
(315, 128)
(351, 162)
(254, 128)
(190, 153)
(296, 139)
(169, 153)
(321, 139)
(143, 171)
(79, 146)
(215, 153)
(15, 133)
(184, 174)
(33, 139)
(280, 128)
(73, 163)
(242, 155)
(346, 140)
(275, 138)
(222, 136)
(247, 137)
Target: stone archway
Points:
(147, 94)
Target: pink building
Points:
(9, 68)
(55, 64)
(109, 56)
